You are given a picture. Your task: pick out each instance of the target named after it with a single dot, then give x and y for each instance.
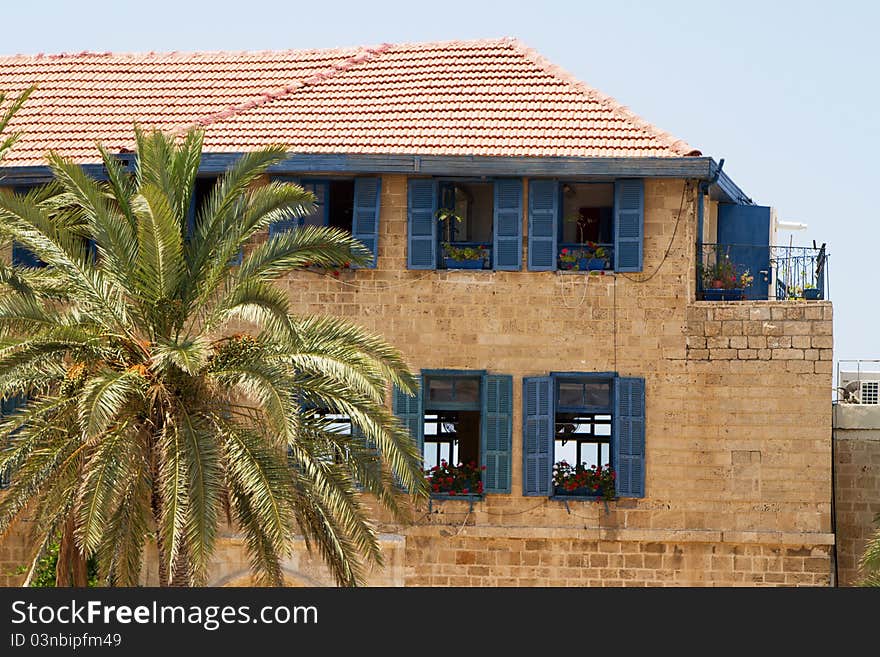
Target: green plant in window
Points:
(464, 252)
(447, 216)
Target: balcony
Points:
(732, 272)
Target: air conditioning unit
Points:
(859, 388)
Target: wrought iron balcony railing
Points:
(728, 272)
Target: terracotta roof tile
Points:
(488, 97)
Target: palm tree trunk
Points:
(71, 569)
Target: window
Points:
(586, 420)
(583, 226)
(586, 222)
(465, 224)
(351, 205)
(466, 211)
(462, 417)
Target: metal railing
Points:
(748, 271)
(851, 377)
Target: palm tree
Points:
(15, 105)
(170, 389)
(869, 564)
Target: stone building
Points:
(568, 311)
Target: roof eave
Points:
(698, 168)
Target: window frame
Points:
(585, 377)
(426, 375)
(560, 220)
(443, 183)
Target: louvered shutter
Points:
(629, 437)
(629, 224)
(290, 222)
(365, 215)
(7, 407)
(497, 428)
(408, 409)
(543, 219)
(422, 224)
(537, 435)
(507, 225)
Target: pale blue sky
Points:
(786, 92)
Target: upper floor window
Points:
(465, 215)
(586, 226)
(461, 421)
(579, 427)
(349, 204)
(583, 226)
(465, 224)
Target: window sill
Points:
(464, 497)
(581, 498)
(586, 272)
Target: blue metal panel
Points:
(422, 224)
(496, 435)
(744, 237)
(628, 437)
(629, 224)
(507, 224)
(365, 214)
(543, 213)
(538, 426)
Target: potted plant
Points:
(464, 257)
(591, 258)
(581, 481)
(722, 280)
(811, 292)
(598, 259)
(461, 479)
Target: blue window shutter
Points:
(321, 215)
(629, 437)
(507, 225)
(365, 216)
(408, 410)
(497, 429)
(538, 425)
(629, 224)
(290, 222)
(543, 213)
(21, 255)
(8, 406)
(422, 224)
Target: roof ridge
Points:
(86, 54)
(668, 139)
(364, 54)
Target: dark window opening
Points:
(586, 226)
(466, 230)
(340, 201)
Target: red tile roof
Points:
(488, 97)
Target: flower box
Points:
(722, 294)
(452, 263)
(812, 294)
(577, 492)
(596, 264)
